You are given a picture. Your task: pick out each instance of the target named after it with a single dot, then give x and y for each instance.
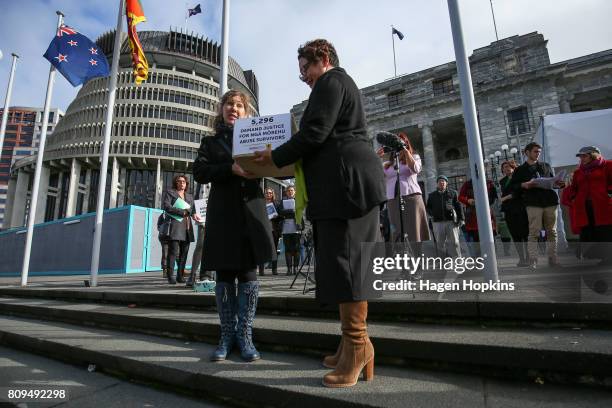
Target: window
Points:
(443, 86)
(452, 154)
(79, 203)
(394, 99)
(455, 182)
(50, 208)
(518, 121)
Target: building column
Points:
(73, 187)
(86, 208)
(121, 193)
(43, 190)
(8, 206)
(158, 185)
(18, 201)
(430, 165)
(114, 183)
(565, 106)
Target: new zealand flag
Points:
(76, 57)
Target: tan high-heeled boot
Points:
(357, 352)
(332, 361)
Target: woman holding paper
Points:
(345, 187)
(291, 231)
(589, 197)
(276, 223)
(178, 204)
(238, 232)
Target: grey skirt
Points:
(415, 219)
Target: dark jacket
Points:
(178, 230)
(515, 204)
(534, 197)
(439, 205)
(238, 232)
(277, 223)
(471, 218)
(344, 178)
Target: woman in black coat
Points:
(238, 233)
(181, 232)
(514, 212)
(345, 188)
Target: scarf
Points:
(301, 197)
(592, 165)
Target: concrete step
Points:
(279, 379)
(478, 312)
(560, 355)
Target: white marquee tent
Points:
(562, 135)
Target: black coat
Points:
(178, 230)
(439, 205)
(534, 197)
(344, 177)
(238, 232)
(515, 204)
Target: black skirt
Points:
(339, 272)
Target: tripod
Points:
(308, 259)
(404, 244)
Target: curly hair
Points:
(510, 163)
(226, 97)
(175, 181)
(317, 50)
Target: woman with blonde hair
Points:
(238, 234)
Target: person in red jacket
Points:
(466, 197)
(589, 198)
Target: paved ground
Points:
(19, 370)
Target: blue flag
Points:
(399, 34)
(76, 57)
(195, 10)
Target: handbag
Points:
(164, 227)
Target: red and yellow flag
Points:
(135, 15)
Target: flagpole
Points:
(39, 163)
(186, 15)
(393, 42)
(494, 23)
(224, 49)
(7, 101)
(479, 182)
(110, 104)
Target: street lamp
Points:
(497, 155)
(513, 152)
(504, 148)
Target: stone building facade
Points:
(514, 84)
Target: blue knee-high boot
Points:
(248, 292)
(225, 295)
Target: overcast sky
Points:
(265, 34)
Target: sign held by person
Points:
(260, 133)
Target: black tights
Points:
(229, 276)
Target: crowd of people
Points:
(347, 187)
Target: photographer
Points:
(444, 207)
(404, 182)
